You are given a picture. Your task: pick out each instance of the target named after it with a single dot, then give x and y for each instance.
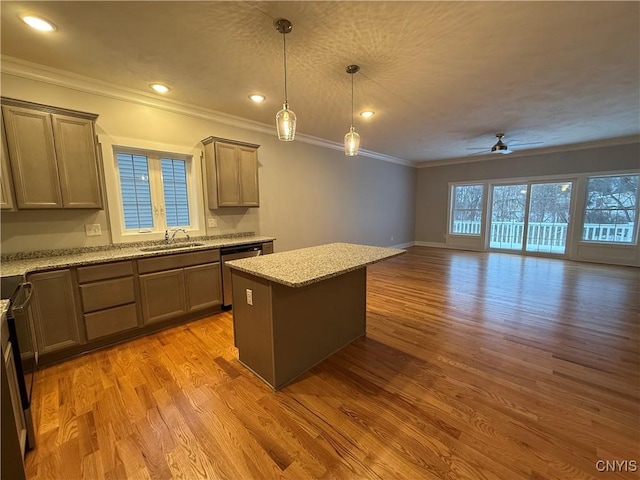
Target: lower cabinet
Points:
(108, 298)
(162, 295)
(14, 392)
(79, 309)
(53, 307)
(203, 286)
(179, 284)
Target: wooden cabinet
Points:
(14, 393)
(203, 285)
(54, 311)
(232, 173)
(53, 156)
(108, 297)
(6, 185)
(174, 285)
(163, 295)
(267, 248)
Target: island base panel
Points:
(252, 326)
(289, 330)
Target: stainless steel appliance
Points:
(234, 253)
(24, 346)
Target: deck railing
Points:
(551, 235)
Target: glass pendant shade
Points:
(286, 124)
(351, 142)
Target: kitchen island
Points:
(293, 309)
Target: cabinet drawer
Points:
(179, 260)
(105, 271)
(108, 322)
(108, 293)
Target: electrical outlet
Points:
(92, 230)
(249, 297)
(212, 223)
(392, 238)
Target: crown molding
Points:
(608, 142)
(53, 76)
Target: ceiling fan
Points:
(500, 146)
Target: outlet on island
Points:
(249, 297)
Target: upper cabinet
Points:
(6, 187)
(53, 156)
(232, 173)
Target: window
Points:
(466, 209)
(154, 190)
(611, 209)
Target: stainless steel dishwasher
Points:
(234, 253)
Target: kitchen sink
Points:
(172, 246)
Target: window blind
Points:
(136, 193)
(174, 181)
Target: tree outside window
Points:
(611, 209)
(466, 212)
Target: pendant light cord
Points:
(352, 98)
(284, 56)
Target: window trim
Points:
(110, 145)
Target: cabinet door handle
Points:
(27, 299)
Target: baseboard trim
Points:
(445, 245)
(403, 245)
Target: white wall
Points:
(432, 195)
(309, 194)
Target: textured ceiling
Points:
(441, 76)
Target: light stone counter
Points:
(88, 256)
(298, 268)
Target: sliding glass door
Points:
(548, 219)
(508, 207)
(531, 217)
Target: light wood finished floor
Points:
(475, 366)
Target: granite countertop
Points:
(87, 256)
(298, 268)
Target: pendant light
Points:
(352, 139)
(285, 118)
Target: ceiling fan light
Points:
(351, 142)
(286, 124)
(500, 148)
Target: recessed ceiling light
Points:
(367, 114)
(256, 97)
(38, 23)
(160, 88)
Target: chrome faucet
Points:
(169, 239)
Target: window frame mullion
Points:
(157, 193)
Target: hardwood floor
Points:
(475, 366)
